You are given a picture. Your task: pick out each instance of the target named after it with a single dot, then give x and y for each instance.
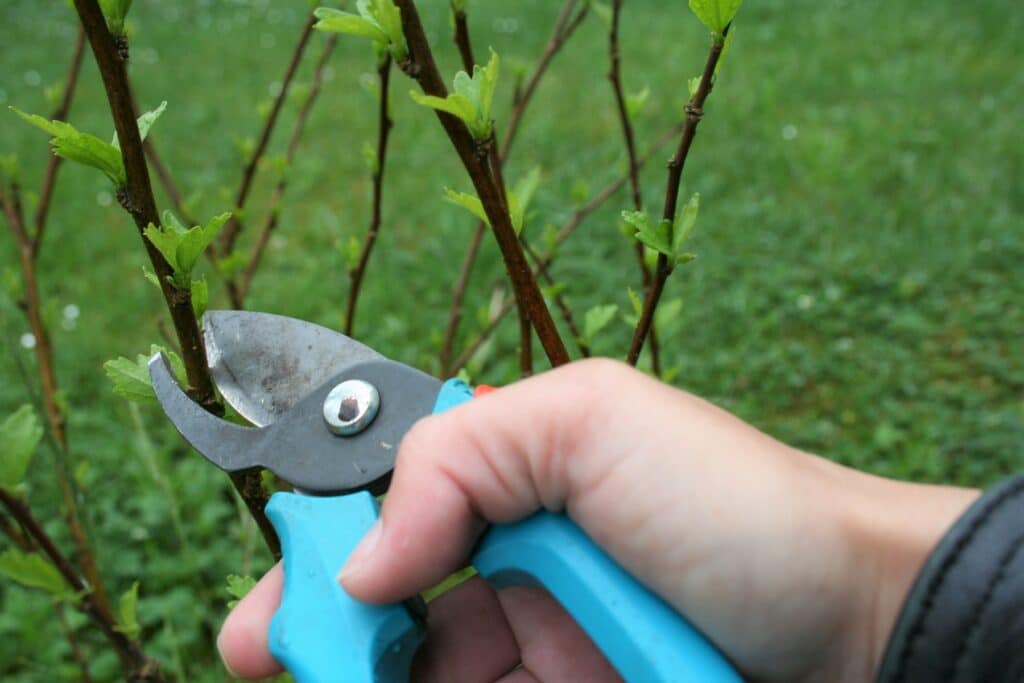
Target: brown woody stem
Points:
(565, 25)
(423, 68)
(43, 349)
(138, 199)
(694, 113)
(54, 162)
(384, 125)
(545, 261)
(615, 76)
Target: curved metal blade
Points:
(263, 364)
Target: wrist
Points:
(892, 527)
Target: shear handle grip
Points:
(642, 637)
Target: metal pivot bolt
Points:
(351, 407)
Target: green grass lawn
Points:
(858, 291)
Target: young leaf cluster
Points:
(131, 378)
(378, 20)
(87, 149)
(181, 247)
(665, 236)
(470, 100)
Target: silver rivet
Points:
(351, 407)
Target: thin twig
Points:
(53, 163)
(43, 349)
(274, 213)
(234, 226)
(138, 199)
(694, 113)
(565, 25)
(137, 666)
(545, 261)
(615, 76)
(421, 66)
(384, 125)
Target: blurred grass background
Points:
(858, 291)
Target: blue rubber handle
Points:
(319, 633)
(322, 635)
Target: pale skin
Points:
(794, 566)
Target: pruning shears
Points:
(328, 415)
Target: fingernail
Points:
(361, 554)
(223, 659)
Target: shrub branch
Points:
(694, 113)
(423, 68)
(384, 125)
(565, 25)
(615, 76)
(138, 199)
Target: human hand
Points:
(795, 567)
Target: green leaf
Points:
(596, 319)
(337, 21)
(127, 608)
(519, 199)
(145, 122)
(166, 242)
(151, 276)
(182, 248)
(685, 223)
(33, 571)
(200, 296)
(635, 102)
(131, 378)
(67, 142)
(692, 85)
(715, 14)
(238, 587)
(725, 50)
(19, 435)
(196, 239)
(455, 104)
(469, 202)
(657, 236)
(115, 12)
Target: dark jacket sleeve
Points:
(963, 620)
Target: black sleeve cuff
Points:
(963, 620)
